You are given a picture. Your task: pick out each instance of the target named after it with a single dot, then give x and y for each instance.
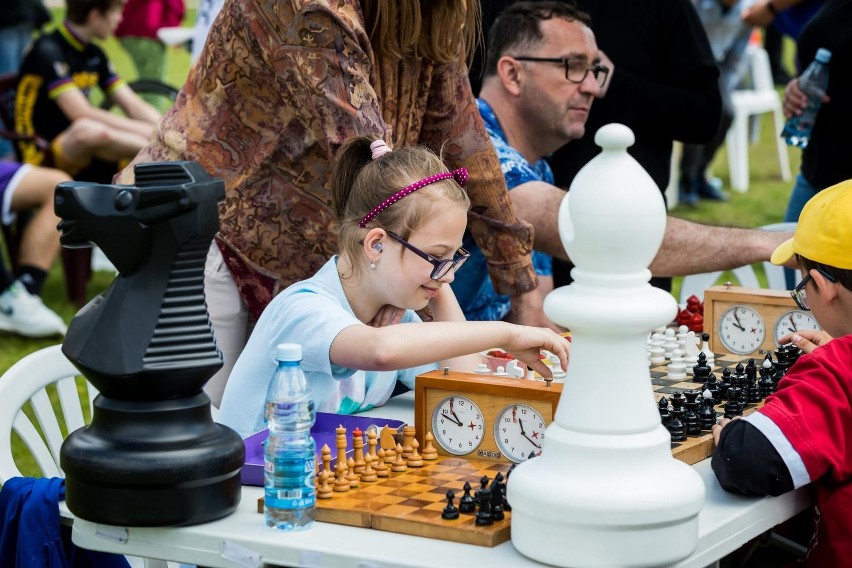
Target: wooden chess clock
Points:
(746, 321)
(484, 417)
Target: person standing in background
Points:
(137, 33)
(729, 37)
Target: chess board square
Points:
(416, 503)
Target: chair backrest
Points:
(760, 69)
(696, 284)
(27, 381)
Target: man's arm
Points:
(687, 248)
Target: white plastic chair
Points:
(27, 381)
(697, 283)
(761, 98)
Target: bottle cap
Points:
(823, 55)
(288, 352)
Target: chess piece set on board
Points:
(693, 412)
(498, 363)
(692, 315)
(390, 483)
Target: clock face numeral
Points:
(792, 322)
(742, 330)
(458, 425)
(519, 432)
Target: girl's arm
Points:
(409, 345)
(445, 307)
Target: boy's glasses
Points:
(800, 294)
(442, 266)
(576, 70)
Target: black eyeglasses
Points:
(442, 266)
(576, 69)
(800, 295)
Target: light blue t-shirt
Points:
(311, 313)
(472, 285)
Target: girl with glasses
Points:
(400, 220)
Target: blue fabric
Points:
(472, 285)
(31, 534)
(791, 21)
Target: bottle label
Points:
(293, 488)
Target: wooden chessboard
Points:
(411, 502)
(695, 449)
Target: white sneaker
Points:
(25, 314)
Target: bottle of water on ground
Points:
(814, 83)
(290, 451)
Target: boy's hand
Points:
(807, 340)
(717, 428)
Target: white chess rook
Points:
(606, 490)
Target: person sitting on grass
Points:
(800, 435)
(29, 188)
(401, 218)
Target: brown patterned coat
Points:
(279, 86)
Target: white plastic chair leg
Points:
(783, 157)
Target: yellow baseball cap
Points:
(824, 232)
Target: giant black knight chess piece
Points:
(152, 455)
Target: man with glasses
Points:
(801, 433)
(543, 71)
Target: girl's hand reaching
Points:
(525, 344)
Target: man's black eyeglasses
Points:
(442, 266)
(800, 295)
(576, 69)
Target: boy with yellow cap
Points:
(803, 432)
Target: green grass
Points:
(764, 203)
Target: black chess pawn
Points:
(724, 385)
(665, 415)
(450, 512)
(701, 371)
(497, 499)
(483, 516)
(753, 391)
(707, 412)
(766, 385)
(676, 426)
(467, 504)
(712, 386)
(739, 377)
(690, 414)
(733, 407)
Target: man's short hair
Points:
(77, 11)
(518, 27)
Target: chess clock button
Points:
(458, 425)
(793, 321)
(519, 432)
(741, 330)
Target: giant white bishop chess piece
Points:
(606, 490)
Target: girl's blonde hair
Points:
(442, 31)
(360, 183)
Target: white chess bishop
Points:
(606, 490)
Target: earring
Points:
(372, 265)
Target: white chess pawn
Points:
(669, 342)
(690, 356)
(681, 337)
(482, 369)
(500, 372)
(677, 368)
(658, 353)
(705, 347)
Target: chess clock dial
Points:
(793, 321)
(458, 425)
(519, 432)
(742, 330)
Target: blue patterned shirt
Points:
(472, 285)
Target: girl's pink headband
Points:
(460, 175)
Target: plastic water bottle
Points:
(814, 83)
(289, 457)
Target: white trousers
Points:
(229, 316)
